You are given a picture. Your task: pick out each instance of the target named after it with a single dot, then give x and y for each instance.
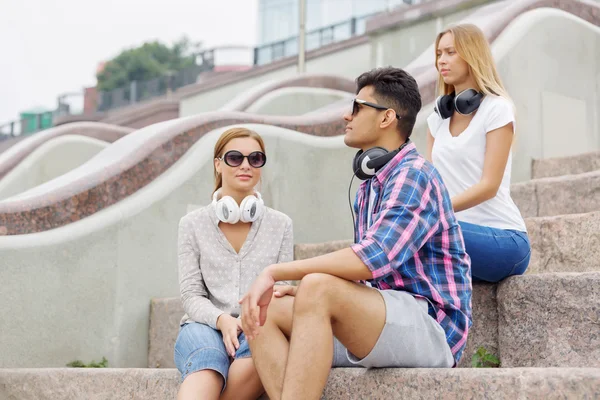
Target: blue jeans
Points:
(495, 253)
(200, 347)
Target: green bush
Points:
(93, 364)
(483, 359)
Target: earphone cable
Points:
(350, 204)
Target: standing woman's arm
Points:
(497, 149)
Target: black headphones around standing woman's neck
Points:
(465, 103)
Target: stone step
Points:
(564, 243)
(557, 305)
(166, 313)
(570, 194)
(550, 320)
(571, 165)
(343, 383)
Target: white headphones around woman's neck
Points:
(228, 211)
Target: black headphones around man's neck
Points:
(366, 163)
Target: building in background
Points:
(278, 19)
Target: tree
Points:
(150, 60)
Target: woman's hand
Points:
(230, 328)
(285, 290)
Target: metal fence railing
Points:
(26, 126)
(315, 39)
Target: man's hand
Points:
(255, 304)
(230, 329)
(285, 290)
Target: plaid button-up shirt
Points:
(414, 242)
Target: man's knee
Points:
(316, 290)
(280, 311)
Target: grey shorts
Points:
(410, 338)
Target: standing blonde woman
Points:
(469, 141)
(222, 248)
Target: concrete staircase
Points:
(544, 326)
(343, 383)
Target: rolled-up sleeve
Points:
(194, 295)
(406, 219)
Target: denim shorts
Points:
(200, 347)
(410, 338)
(495, 253)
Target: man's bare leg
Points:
(326, 306)
(270, 348)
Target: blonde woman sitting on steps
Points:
(222, 248)
(469, 141)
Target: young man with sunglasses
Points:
(401, 295)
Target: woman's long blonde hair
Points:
(227, 137)
(471, 45)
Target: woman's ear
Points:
(217, 165)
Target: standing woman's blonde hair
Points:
(472, 46)
(227, 137)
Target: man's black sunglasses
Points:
(234, 158)
(356, 102)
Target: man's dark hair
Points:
(397, 89)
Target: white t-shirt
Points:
(460, 163)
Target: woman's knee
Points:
(208, 382)
(200, 347)
(243, 382)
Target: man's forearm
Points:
(344, 264)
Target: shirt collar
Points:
(385, 172)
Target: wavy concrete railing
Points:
(290, 96)
(6, 143)
(95, 130)
(51, 159)
(132, 116)
(141, 157)
(97, 189)
(297, 101)
(321, 81)
(139, 116)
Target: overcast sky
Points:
(49, 47)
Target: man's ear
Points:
(388, 119)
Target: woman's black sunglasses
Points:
(234, 158)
